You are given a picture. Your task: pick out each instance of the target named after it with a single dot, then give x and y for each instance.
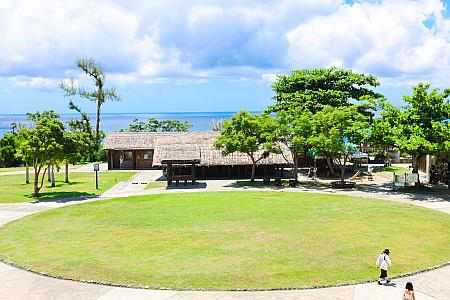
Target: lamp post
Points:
(96, 169)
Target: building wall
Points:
(132, 159)
(233, 172)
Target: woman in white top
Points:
(408, 293)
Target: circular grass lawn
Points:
(228, 240)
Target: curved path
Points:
(20, 284)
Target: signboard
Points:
(405, 179)
(399, 179)
(412, 178)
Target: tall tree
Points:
(53, 115)
(424, 122)
(100, 94)
(8, 149)
(384, 130)
(313, 89)
(75, 144)
(293, 130)
(82, 129)
(41, 146)
(336, 131)
(248, 133)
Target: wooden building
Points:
(149, 150)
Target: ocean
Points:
(112, 122)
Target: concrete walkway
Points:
(84, 168)
(19, 284)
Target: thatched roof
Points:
(183, 146)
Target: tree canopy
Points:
(423, 123)
(293, 130)
(313, 89)
(155, 125)
(42, 145)
(99, 94)
(252, 134)
(8, 149)
(336, 131)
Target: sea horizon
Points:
(114, 121)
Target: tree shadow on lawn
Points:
(247, 184)
(426, 193)
(61, 197)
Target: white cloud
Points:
(269, 78)
(386, 38)
(190, 41)
(40, 83)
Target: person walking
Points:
(383, 262)
(408, 293)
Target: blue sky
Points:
(187, 55)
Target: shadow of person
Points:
(391, 284)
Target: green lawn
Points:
(155, 185)
(228, 240)
(284, 183)
(12, 169)
(386, 172)
(395, 169)
(14, 189)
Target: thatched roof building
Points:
(176, 146)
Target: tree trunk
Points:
(448, 170)
(416, 168)
(49, 176)
(252, 177)
(416, 159)
(36, 183)
(343, 169)
(67, 172)
(294, 157)
(97, 123)
(330, 165)
(27, 173)
(53, 176)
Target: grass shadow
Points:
(284, 184)
(426, 193)
(61, 196)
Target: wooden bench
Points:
(185, 178)
(343, 185)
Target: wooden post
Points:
(193, 174)
(111, 160)
(169, 174)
